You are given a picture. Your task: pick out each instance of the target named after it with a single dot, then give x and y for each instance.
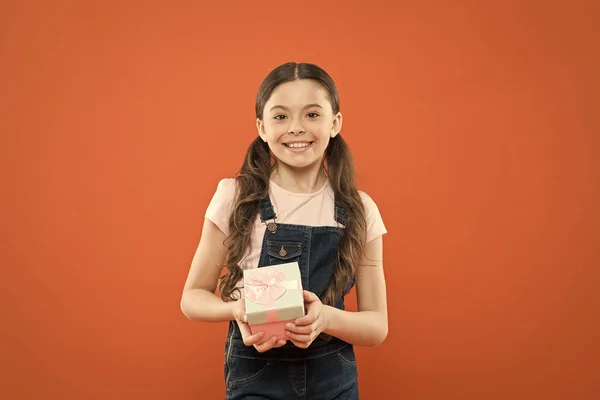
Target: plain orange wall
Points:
(475, 129)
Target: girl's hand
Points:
(239, 312)
(304, 330)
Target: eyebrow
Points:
(305, 107)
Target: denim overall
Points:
(326, 370)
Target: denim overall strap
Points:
(266, 210)
(340, 213)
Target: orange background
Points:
(474, 127)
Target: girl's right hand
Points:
(239, 312)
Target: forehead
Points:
(299, 93)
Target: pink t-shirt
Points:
(312, 209)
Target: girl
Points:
(294, 199)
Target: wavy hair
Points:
(252, 185)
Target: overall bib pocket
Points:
(282, 252)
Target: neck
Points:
(299, 180)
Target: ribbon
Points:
(264, 286)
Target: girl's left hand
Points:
(304, 330)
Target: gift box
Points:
(273, 297)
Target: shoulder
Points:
(224, 195)
(375, 224)
(225, 191)
(226, 186)
(367, 201)
(220, 207)
(365, 197)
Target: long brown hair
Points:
(252, 185)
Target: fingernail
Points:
(289, 326)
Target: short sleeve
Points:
(375, 225)
(220, 207)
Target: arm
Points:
(198, 301)
(369, 325)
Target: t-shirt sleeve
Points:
(220, 207)
(375, 225)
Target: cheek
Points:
(322, 132)
(274, 133)
(274, 125)
(321, 126)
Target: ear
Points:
(260, 126)
(336, 126)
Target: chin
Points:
(298, 164)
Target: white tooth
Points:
(298, 145)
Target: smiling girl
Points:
(294, 199)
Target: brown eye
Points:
(279, 116)
(313, 115)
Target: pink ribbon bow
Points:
(265, 286)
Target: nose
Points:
(296, 127)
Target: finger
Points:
(309, 297)
(308, 319)
(302, 345)
(268, 345)
(251, 340)
(241, 317)
(303, 329)
(271, 344)
(244, 329)
(298, 337)
(275, 343)
(247, 336)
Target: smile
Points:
(298, 145)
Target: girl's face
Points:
(298, 122)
